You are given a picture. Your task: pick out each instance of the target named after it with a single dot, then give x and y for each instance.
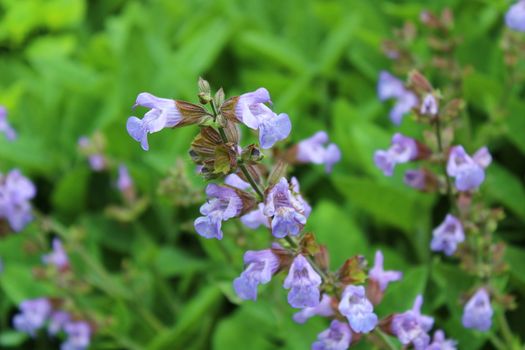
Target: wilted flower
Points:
(337, 337)
(33, 315)
(15, 193)
(57, 257)
(429, 106)
(515, 16)
(260, 267)
(380, 276)
(78, 336)
(163, 113)
(468, 172)
(303, 282)
(441, 343)
(313, 150)
(478, 311)
(252, 111)
(402, 149)
(323, 309)
(358, 309)
(448, 235)
(223, 204)
(390, 87)
(412, 327)
(289, 211)
(5, 127)
(57, 321)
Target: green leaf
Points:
(502, 186)
(12, 338)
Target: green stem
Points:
(505, 330)
(252, 182)
(443, 163)
(386, 340)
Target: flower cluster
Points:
(36, 314)
(15, 193)
(450, 169)
(276, 203)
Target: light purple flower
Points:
(411, 327)
(260, 267)
(402, 150)
(223, 204)
(429, 106)
(5, 127)
(323, 309)
(34, 313)
(447, 236)
(482, 157)
(389, 87)
(234, 180)
(382, 277)
(163, 113)
(358, 309)
(78, 336)
(288, 211)
(256, 218)
(468, 173)
(303, 282)
(478, 312)
(57, 321)
(441, 343)
(415, 179)
(337, 337)
(124, 181)
(57, 257)
(15, 193)
(515, 16)
(252, 111)
(313, 150)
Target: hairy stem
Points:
(252, 182)
(443, 163)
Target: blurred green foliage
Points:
(71, 67)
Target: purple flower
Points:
(57, 257)
(33, 315)
(289, 211)
(252, 111)
(415, 179)
(260, 267)
(482, 157)
(447, 236)
(515, 16)
(234, 180)
(429, 106)
(324, 308)
(402, 150)
(15, 193)
(468, 173)
(223, 204)
(303, 283)
(358, 309)
(382, 277)
(97, 161)
(412, 327)
(163, 113)
(440, 343)
(256, 218)
(313, 150)
(478, 312)
(5, 127)
(57, 321)
(337, 337)
(124, 181)
(390, 87)
(78, 336)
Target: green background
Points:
(71, 67)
